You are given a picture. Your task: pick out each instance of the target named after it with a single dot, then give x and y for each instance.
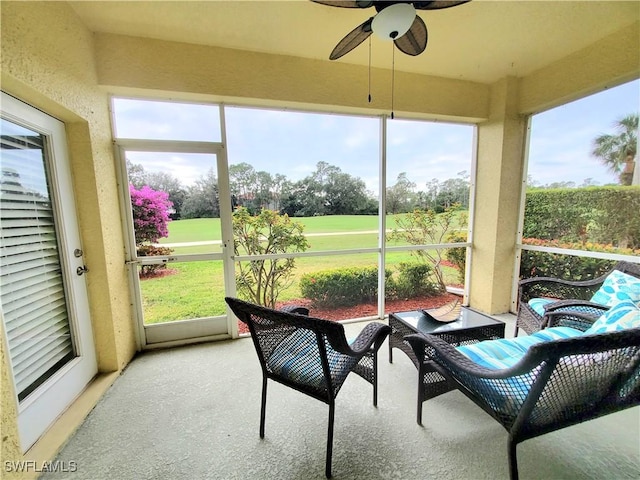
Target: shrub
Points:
(596, 214)
(414, 279)
(568, 267)
(261, 281)
(150, 214)
(424, 227)
(341, 287)
(458, 256)
(352, 286)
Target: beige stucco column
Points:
(498, 187)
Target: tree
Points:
(618, 152)
(400, 196)
(136, 174)
(280, 184)
(425, 227)
(562, 184)
(166, 182)
(263, 196)
(242, 179)
(202, 198)
(291, 200)
(345, 194)
(267, 233)
(454, 191)
(150, 214)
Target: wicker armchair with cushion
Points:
(539, 296)
(552, 379)
(310, 355)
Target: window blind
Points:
(32, 291)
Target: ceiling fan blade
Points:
(345, 3)
(436, 4)
(354, 38)
(415, 40)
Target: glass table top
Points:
(424, 324)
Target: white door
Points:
(179, 286)
(43, 294)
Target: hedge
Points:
(341, 287)
(605, 215)
(567, 267)
(355, 285)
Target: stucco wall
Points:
(607, 63)
(47, 61)
(498, 190)
(227, 74)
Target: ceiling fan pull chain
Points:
(369, 69)
(393, 75)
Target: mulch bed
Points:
(366, 309)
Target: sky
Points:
(291, 143)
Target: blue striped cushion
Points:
(506, 352)
(537, 304)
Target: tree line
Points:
(326, 191)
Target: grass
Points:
(208, 229)
(191, 290)
(199, 229)
(196, 289)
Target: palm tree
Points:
(618, 152)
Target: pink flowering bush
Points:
(150, 214)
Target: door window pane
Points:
(175, 202)
(32, 290)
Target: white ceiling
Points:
(483, 40)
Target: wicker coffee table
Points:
(472, 327)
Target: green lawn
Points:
(193, 230)
(208, 229)
(192, 290)
(196, 289)
(201, 229)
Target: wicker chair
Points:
(310, 355)
(555, 385)
(570, 294)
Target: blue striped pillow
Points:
(506, 352)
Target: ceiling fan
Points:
(394, 20)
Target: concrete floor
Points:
(193, 413)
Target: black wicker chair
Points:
(310, 355)
(555, 385)
(570, 294)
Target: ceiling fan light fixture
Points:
(393, 21)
